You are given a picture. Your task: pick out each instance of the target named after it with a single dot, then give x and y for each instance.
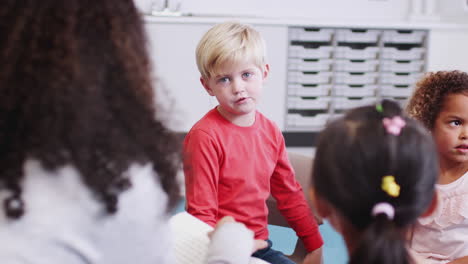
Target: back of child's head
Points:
(230, 42)
(428, 97)
(354, 155)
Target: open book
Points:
(191, 240)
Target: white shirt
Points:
(64, 223)
(443, 236)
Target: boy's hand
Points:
(258, 243)
(226, 219)
(314, 257)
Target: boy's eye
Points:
(455, 122)
(247, 74)
(223, 80)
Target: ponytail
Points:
(381, 243)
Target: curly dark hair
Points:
(76, 89)
(428, 97)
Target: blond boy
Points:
(235, 156)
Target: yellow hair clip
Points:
(390, 186)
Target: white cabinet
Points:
(331, 70)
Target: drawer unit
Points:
(355, 90)
(357, 35)
(309, 77)
(404, 36)
(400, 78)
(394, 53)
(344, 103)
(307, 103)
(356, 65)
(356, 78)
(310, 34)
(402, 66)
(331, 70)
(356, 53)
(309, 90)
(396, 90)
(315, 122)
(310, 52)
(298, 64)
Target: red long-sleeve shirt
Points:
(231, 170)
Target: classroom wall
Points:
(173, 42)
(447, 44)
(448, 49)
(329, 9)
(336, 10)
(453, 10)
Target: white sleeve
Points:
(232, 243)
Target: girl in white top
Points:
(440, 102)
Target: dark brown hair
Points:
(430, 92)
(75, 89)
(353, 154)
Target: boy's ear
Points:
(206, 86)
(432, 206)
(266, 70)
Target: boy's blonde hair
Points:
(229, 42)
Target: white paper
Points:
(191, 240)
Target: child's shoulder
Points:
(209, 124)
(266, 122)
(452, 206)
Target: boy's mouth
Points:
(462, 148)
(241, 100)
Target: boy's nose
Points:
(464, 132)
(238, 87)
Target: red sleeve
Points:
(292, 202)
(201, 169)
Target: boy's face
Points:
(451, 130)
(237, 87)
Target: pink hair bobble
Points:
(384, 208)
(394, 125)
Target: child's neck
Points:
(238, 120)
(451, 172)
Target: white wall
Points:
(448, 50)
(453, 10)
(326, 9)
(173, 55)
(336, 10)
